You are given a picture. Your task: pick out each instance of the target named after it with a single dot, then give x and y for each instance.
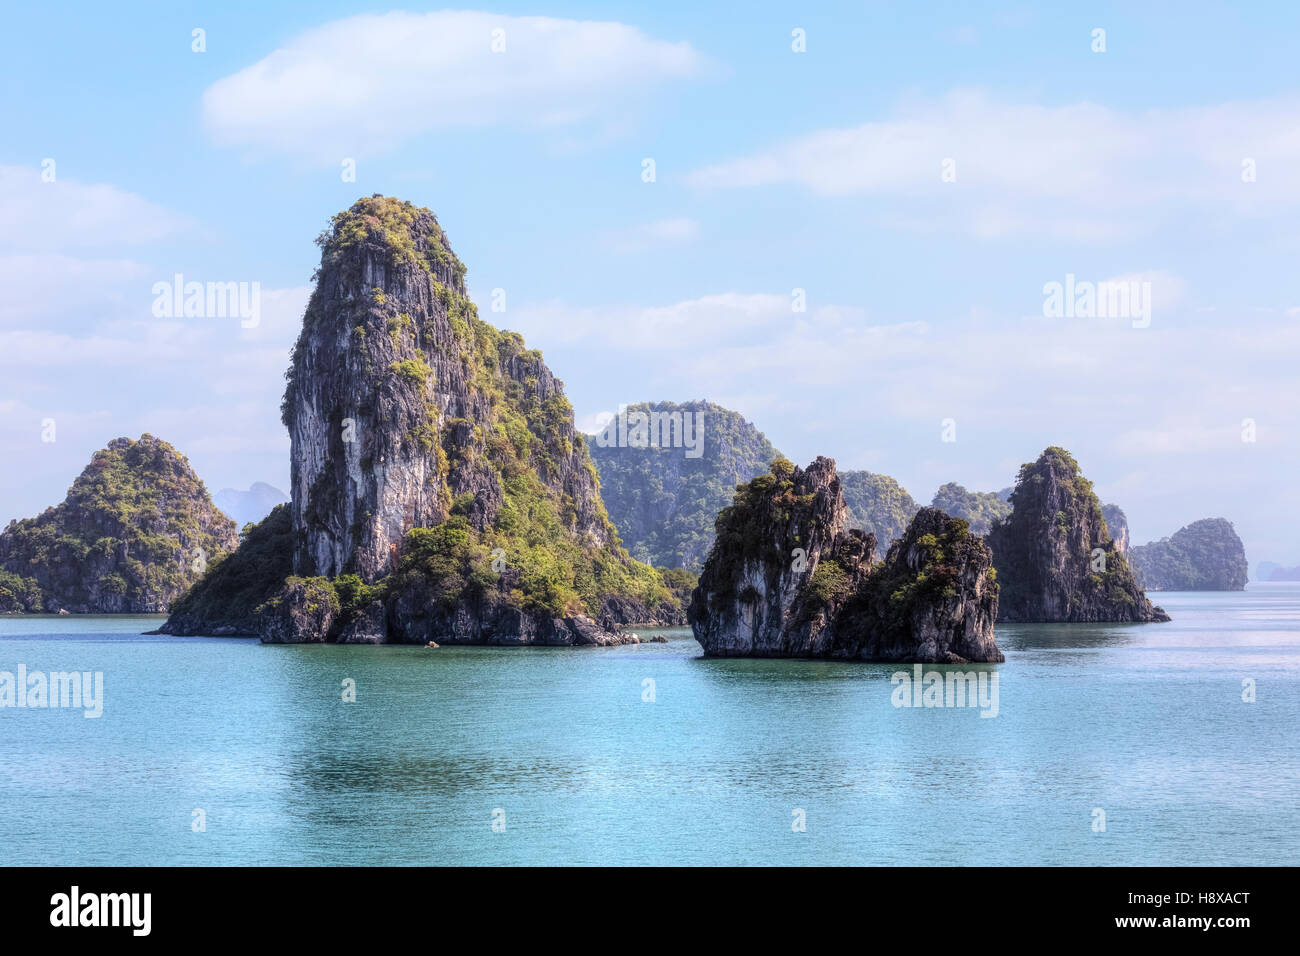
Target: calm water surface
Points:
(1145, 722)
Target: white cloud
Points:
(1080, 171)
(1129, 386)
(362, 85)
(66, 214)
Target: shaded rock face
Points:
(419, 618)
(1055, 559)
(1206, 555)
(934, 600)
(787, 578)
(1117, 526)
(369, 627)
(136, 529)
(304, 612)
(225, 601)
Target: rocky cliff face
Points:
(665, 494)
(435, 457)
(136, 529)
(1206, 555)
(787, 578)
(1054, 557)
(1117, 527)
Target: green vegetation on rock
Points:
(225, 600)
(440, 481)
(1055, 558)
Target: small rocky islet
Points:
(787, 577)
(1055, 556)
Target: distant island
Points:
(980, 508)
(1272, 571)
(877, 504)
(136, 529)
(664, 501)
(1206, 555)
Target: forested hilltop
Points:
(136, 529)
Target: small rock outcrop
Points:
(788, 578)
(1206, 555)
(136, 529)
(1055, 559)
(302, 612)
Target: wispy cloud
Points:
(1080, 171)
(68, 215)
(365, 84)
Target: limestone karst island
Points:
(441, 494)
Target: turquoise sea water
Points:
(1145, 722)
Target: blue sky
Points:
(775, 171)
